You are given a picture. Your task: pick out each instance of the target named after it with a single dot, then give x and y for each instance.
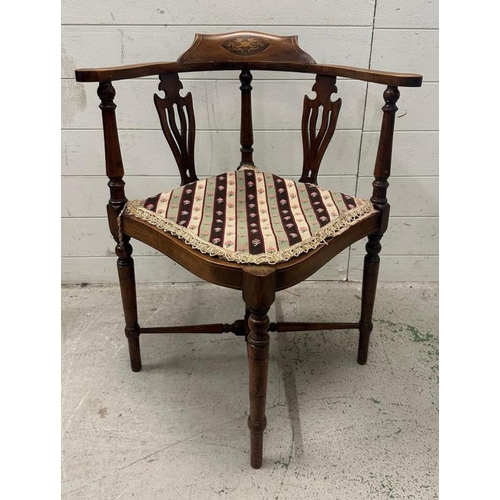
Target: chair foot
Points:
(134, 350)
(256, 446)
(364, 342)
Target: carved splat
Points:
(180, 137)
(316, 141)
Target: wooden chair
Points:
(247, 229)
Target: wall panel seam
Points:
(363, 124)
(222, 25)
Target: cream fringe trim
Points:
(333, 228)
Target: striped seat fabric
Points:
(250, 216)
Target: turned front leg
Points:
(370, 278)
(258, 364)
(126, 275)
(259, 287)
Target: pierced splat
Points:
(180, 138)
(316, 141)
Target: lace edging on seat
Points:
(335, 227)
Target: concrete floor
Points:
(177, 430)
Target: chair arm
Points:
(158, 68)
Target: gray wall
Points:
(383, 34)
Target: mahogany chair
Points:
(246, 229)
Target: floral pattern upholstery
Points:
(251, 216)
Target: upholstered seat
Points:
(250, 216)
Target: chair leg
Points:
(258, 293)
(258, 362)
(370, 276)
(126, 275)
(247, 326)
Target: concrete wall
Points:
(381, 34)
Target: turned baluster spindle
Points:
(382, 169)
(246, 129)
(114, 164)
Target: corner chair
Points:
(248, 229)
